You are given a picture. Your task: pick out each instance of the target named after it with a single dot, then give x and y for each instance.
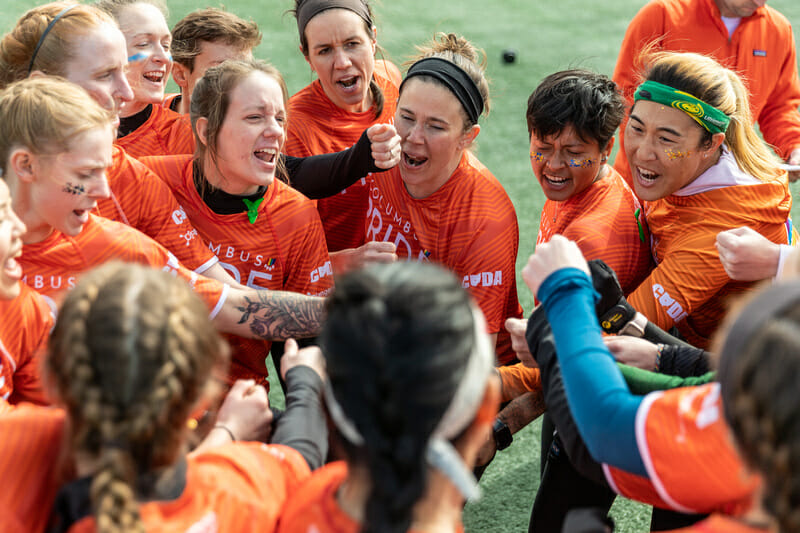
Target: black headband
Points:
(44, 34)
(454, 78)
(311, 8)
(753, 317)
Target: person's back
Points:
(410, 397)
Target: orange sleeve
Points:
(33, 323)
(310, 269)
(688, 276)
(518, 379)
(779, 120)
(142, 200)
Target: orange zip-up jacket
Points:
(761, 50)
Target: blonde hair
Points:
(464, 55)
(130, 354)
(722, 88)
(44, 114)
(55, 51)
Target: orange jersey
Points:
(689, 288)
(53, 265)
(518, 379)
(469, 225)
(25, 324)
(141, 200)
(29, 452)
(238, 487)
(314, 506)
(606, 221)
(761, 50)
(318, 126)
(720, 524)
(165, 132)
(689, 455)
(283, 250)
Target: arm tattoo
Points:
(279, 315)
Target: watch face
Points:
(502, 435)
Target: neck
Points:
(439, 509)
(422, 190)
(183, 105)
(23, 205)
(214, 176)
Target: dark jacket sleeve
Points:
(321, 176)
(302, 426)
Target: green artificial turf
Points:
(547, 36)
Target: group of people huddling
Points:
(157, 249)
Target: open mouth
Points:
(555, 181)
(647, 177)
(414, 161)
(266, 154)
(348, 83)
(155, 77)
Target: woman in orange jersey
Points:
(700, 168)
(55, 144)
(25, 317)
(146, 127)
(130, 358)
(410, 395)
(352, 92)
(674, 448)
(266, 234)
(440, 203)
(85, 46)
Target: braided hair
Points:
(130, 354)
(396, 342)
(759, 373)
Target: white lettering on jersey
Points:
(674, 309)
(483, 279)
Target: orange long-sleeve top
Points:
(761, 50)
(165, 132)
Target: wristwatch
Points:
(502, 435)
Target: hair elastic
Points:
(454, 78)
(311, 8)
(466, 400)
(44, 34)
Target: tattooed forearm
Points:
(280, 315)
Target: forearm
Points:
(643, 382)
(302, 426)
(271, 315)
(321, 176)
(602, 406)
(683, 361)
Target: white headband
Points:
(461, 411)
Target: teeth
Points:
(154, 76)
(646, 174)
(348, 82)
(555, 179)
(270, 152)
(413, 161)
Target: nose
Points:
(101, 188)
(341, 59)
(19, 227)
(161, 54)
(122, 90)
(415, 134)
(555, 161)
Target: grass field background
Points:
(547, 36)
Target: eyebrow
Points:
(661, 128)
(325, 45)
(431, 119)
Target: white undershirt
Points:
(731, 23)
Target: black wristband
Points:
(502, 435)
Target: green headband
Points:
(708, 116)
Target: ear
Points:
(180, 74)
(22, 162)
(305, 56)
(607, 152)
(469, 137)
(37, 74)
(374, 39)
(202, 130)
(716, 141)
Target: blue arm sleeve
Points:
(602, 406)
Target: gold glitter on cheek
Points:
(537, 156)
(677, 154)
